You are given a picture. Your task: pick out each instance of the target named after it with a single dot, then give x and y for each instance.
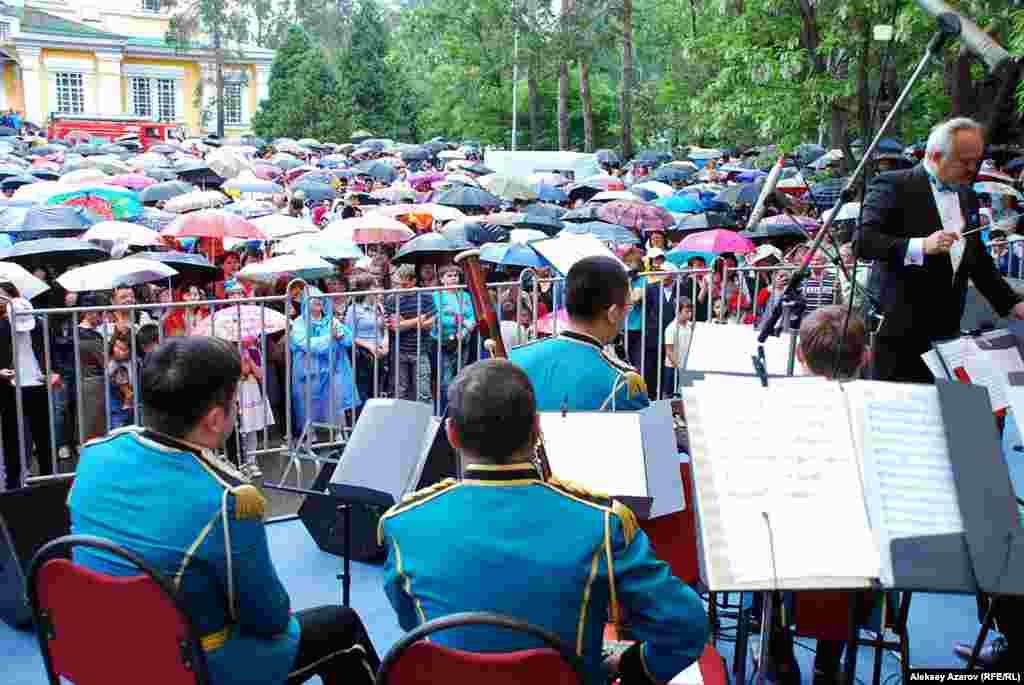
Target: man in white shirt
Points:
(677, 340)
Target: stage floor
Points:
(936, 621)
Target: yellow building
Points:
(110, 57)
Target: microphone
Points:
(976, 40)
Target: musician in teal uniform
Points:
(160, 491)
(503, 540)
(574, 371)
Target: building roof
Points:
(35, 21)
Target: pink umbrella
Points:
(546, 323)
(371, 228)
(293, 174)
(131, 181)
(236, 322)
(268, 172)
(213, 223)
(716, 241)
(636, 214)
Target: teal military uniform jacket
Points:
(190, 516)
(502, 540)
(572, 371)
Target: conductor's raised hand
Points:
(1018, 310)
(940, 242)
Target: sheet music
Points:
(564, 251)
(714, 347)
(602, 451)
(691, 675)
(906, 465)
(786, 452)
(988, 368)
(661, 455)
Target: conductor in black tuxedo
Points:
(917, 225)
(660, 307)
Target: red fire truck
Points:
(76, 128)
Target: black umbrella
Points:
(475, 232)
(705, 221)
(201, 175)
(774, 231)
(435, 146)
(212, 142)
(478, 169)
(554, 211)
(46, 221)
(610, 157)
(377, 169)
(193, 269)
(582, 214)
(653, 157)
(541, 222)
(161, 192)
(468, 197)
(429, 245)
(315, 192)
(672, 173)
(45, 174)
(12, 183)
(584, 192)
(54, 253)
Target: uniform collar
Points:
(583, 338)
(500, 473)
(171, 441)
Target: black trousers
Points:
(35, 408)
(334, 645)
(899, 359)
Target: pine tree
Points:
(368, 78)
(283, 87)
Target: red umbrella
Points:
(132, 181)
(94, 203)
(213, 223)
(636, 215)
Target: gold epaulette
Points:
(629, 523)
(412, 499)
(249, 502)
(580, 492)
(616, 363)
(635, 384)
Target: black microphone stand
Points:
(948, 27)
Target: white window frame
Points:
(133, 97)
(161, 104)
(70, 76)
(241, 120)
(6, 29)
(152, 6)
(155, 75)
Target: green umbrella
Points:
(508, 187)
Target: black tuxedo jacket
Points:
(923, 302)
(659, 313)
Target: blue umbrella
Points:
(42, 221)
(605, 232)
(254, 185)
(681, 204)
(548, 193)
(750, 175)
(511, 254)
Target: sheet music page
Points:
(906, 466)
(661, 456)
(787, 452)
(602, 451)
(728, 349)
(691, 675)
(988, 368)
(931, 360)
(564, 251)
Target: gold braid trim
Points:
(635, 383)
(411, 499)
(579, 491)
(628, 518)
(249, 502)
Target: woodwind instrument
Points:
(470, 262)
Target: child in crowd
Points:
(677, 341)
(254, 413)
(122, 387)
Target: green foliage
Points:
(372, 88)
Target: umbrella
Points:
(160, 174)
(807, 153)
(702, 222)
(438, 212)
(331, 248)
(545, 208)
(547, 193)
(606, 233)
(395, 195)
(681, 204)
(415, 153)
(213, 223)
(613, 195)
(653, 157)
(124, 204)
(267, 172)
(379, 170)
(478, 233)
(469, 197)
(657, 187)
(83, 176)
(115, 273)
(716, 241)
(12, 183)
(193, 269)
(131, 181)
(429, 245)
(56, 253)
(227, 163)
(161, 192)
(370, 228)
(304, 265)
(252, 185)
(673, 174)
(508, 187)
(165, 149)
(197, 199)
(548, 178)
(765, 231)
(360, 135)
(315, 192)
(201, 175)
(28, 285)
(44, 174)
(525, 235)
(589, 213)
(609, 157)
(548, 324)
(9, 171)
(825, 194)
(993, 188)
(122, 232)
(636, 215)
(511, 254)
(745, 194)
(45, 220)
(241, 322)
(251, 209)
(278, 226)
(477, 168)
(850, 211)
(154, 218)
(585, 191)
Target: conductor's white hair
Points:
(941, 138)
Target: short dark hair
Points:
(822, 331)
(183, 378)
(492, 407)
(148, 334)
(593, 285)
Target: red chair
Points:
(97, 629)
(414, 659)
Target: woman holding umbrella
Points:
(454, 323)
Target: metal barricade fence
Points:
(313, 375)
